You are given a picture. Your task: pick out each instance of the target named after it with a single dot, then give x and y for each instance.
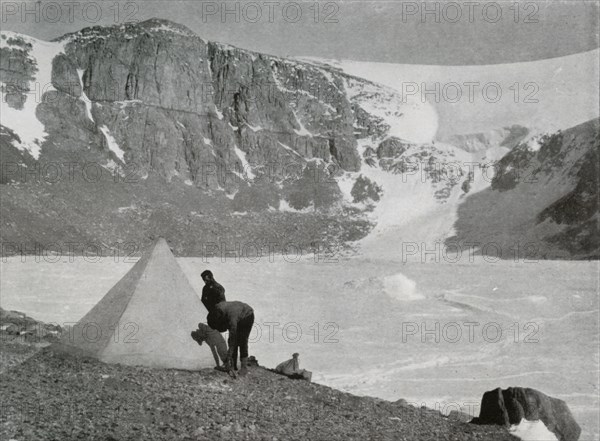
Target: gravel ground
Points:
(52, 396)
(13, 354)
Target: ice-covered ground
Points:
(438, 334)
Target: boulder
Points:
(510, 406)
(392, 148)
(456, 415)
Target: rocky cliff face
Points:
(142, 130)
(543, 199)
(173, 103)
(153, 101)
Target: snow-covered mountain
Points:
(543, 199)
(170, 134)
(538, 101)
(235, 107)
(128, 132)
(508, 137)
(543, 95)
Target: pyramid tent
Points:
(145, 319)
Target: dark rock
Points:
(402, 402)
(510, 406)
(364, 189)
(392, 148)
(16, 72)
(582, 202)
(64, 76)
(257, 197)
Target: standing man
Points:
(237, 318)
(212, 293)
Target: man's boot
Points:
(230, 370)
(244, 369)
(226, 367)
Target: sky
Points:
(410, 32)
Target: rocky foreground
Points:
(22, 337)
(50, 396)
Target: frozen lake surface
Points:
(437, 334)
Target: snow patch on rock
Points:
(245, 164)
(285, 207)
(345, 184)
(303, 130)
(84, 97)
(408, 118)
(254, 128)
(113, 167)
(534, 143)
(112, 143)
(532, 431)
(291, 150)
(24, 122)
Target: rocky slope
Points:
(508, 137)
(51, 396)
(543, 199)
(15, 324)
(124, 132)
(22, 336)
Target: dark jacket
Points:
(225, 316)
(233, 317)
(212, 294)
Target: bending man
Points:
(237, 318)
